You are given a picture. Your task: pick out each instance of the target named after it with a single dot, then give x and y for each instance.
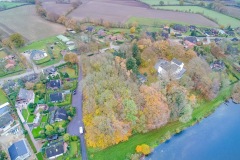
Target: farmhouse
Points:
(54, 84)
(56, 97)
(180, 28)
(37, 55)
(54, 151)
(173, 69)
(24, 97)
(19, 150)
(90, 29)
(60, 115)
(101, 33)
(191, 39)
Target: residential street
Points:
(73, 127)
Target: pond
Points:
(217, 137)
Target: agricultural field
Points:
(220, 18)
(58, 8)
(97, 9)
(35, 28)
(233, 11)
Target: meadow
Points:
(8, 5)
(220, 18)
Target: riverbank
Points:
(158, 136)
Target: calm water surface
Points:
(214, 138)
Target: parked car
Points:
(81, 130)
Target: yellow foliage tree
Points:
(139, 149)
(132, 29)
(144, 149)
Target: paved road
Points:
(73, 127)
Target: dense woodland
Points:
(117, 106)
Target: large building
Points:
(19, 150)
(24, 98)
(172, 70)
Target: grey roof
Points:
(180, 74)
(55, 83)
(56, 97)
(18, 149)
(30, 77)
(174, 60)
(61, 113)
(191, 39)
(8, 84)
(5, 120)
(4, 110)
(25, 94)
(36, 53)
(54, 150)
(163, 63)
(90, 28)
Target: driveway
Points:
(73, 127)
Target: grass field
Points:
(69, 71)
(166, 2)
(155, 137)
(38, 45)
(3, 97)
(2, 54)
(31, 143)
(39, 156)
(44, 60)
(25, 114)
(36, 132)
(154, 22)
(44, 118)
(218, 17)
(8, 5)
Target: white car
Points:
(81, 130)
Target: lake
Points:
(216, 137)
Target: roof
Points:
(191, 39)
(174, 60)
(4, 105)
(18, 149)
(55, 83)
(37, 53)
(3, 110)
(180, 27)
(52, 137)
(25, 94)
(54, 150)
(90, 28)
(9, 66)
(56, 97)
(5, 120)
(30, 77)
(63, 38)
(61, 113)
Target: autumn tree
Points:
(62, 20)
(29, 85)
(53, 17)
(144, 149)
(71, 57)
(17, 40)
(155, 109)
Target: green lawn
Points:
(25, 114)
(73, 149)
(67, 101)
(69, 71)
(31, 143)
(36, 132)
(156, 2)
(154, 22)
(218, 17)
(44, 60)
(155, 137)
(2, 54)
(39, 156)
(3, 97)
(41, 44)
(7, 5)
(30, 118)
(19, 68)
(44, 118)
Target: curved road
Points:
(73, 127)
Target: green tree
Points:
(131, 65)
(130, 110)
(135, 50)
(181, 2)
(17, 40)
(66, 137)
(161, 3)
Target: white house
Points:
(173, 69)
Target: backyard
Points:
(220, 18)
(3, 97)
(27, 115)
(70, 71)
